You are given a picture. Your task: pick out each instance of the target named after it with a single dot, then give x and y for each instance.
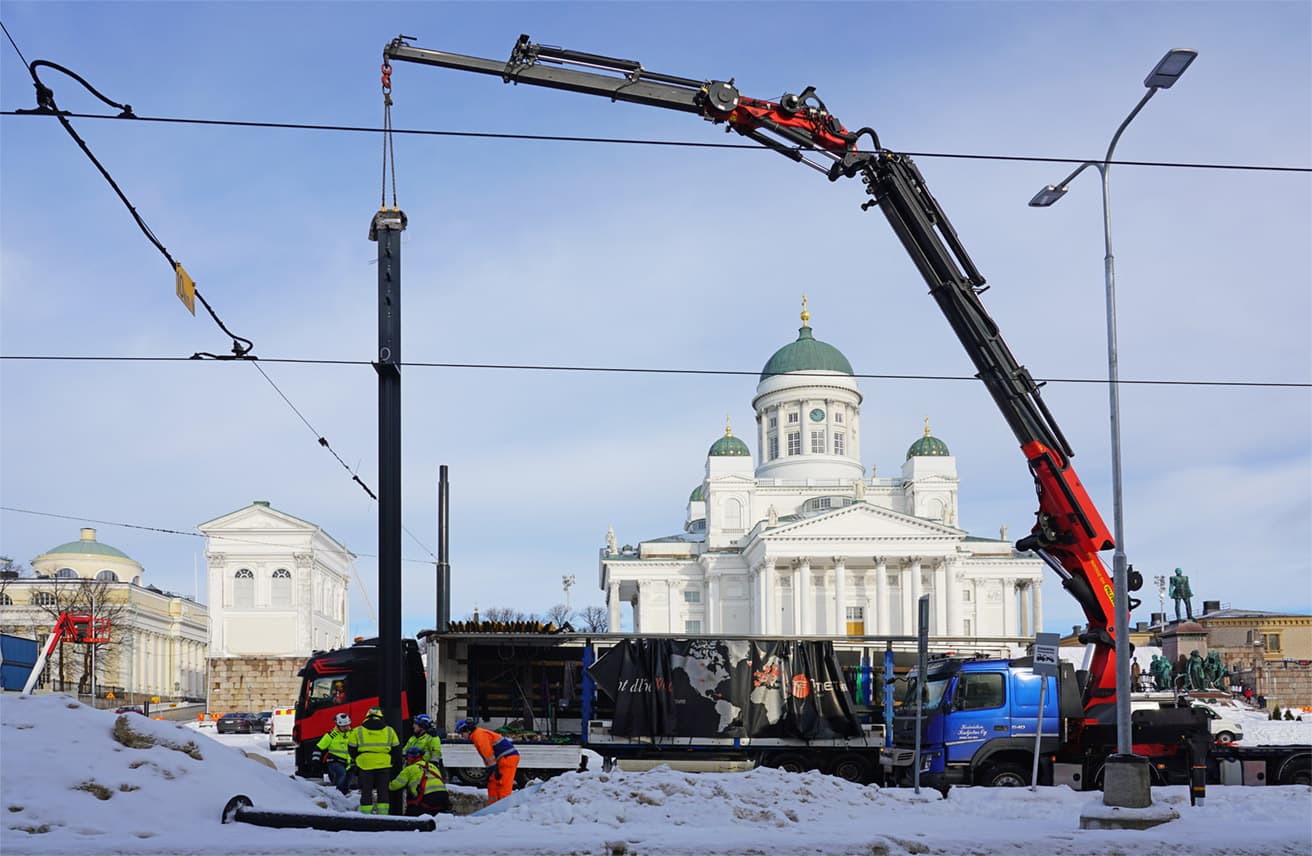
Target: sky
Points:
(602, 255)
(160, 800)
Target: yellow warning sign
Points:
(186, 289)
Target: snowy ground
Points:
(69, 787)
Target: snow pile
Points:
(79, 781)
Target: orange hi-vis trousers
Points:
(500, 785)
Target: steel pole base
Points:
(239, 809)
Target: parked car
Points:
(263, 721)
(130, 708)
(235, 723)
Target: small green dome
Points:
(88, 548)
(928, 446)
(698, 493)
(728, 446)
(807, 354)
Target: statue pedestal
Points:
(1180, 640)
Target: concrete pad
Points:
(1098, 816)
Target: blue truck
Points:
(17, 657)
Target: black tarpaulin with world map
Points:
(726, 688)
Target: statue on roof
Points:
(773, 516)
(611, 549)
(1179, 590)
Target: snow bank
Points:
(71, 786)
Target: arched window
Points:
(107, 576)
(43, 598)
(243, 589)
(65, 574)
(280, 589)
(6, 600)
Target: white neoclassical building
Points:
(277, 591)
(803, 542)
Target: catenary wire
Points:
(531, 367)
(571, 138)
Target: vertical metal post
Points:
(443, 552)
(1038, 733)
(922, 666)
(386, 229)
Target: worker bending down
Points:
(500, 758)
(425, 792)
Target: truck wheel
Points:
(1006, 775)
(852, 768)
(474, 777)
(790, 762)
(1297, 774)
(1226, 737)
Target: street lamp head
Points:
(1047, 196)
(1171, 67)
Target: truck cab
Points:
(979, 723)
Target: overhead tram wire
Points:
(529, 367)
(574, 138)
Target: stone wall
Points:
(1285, 684)
(253, 683)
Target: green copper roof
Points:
(89, 548)
(728, 446)
(698, 494)
(807, 354)
(928, 446)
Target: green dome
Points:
(928, 446)
(88, 548)
(807, 354)
(728, 446)
(698, 493)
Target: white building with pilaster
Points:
(803, 542)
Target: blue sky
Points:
(583, 254)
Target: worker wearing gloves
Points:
(371, 745)
(425, 737)
(500, 758)
(425, 791)
(333, 752)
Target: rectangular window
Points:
(1272, 641)
(792, 418)
(794, 443)
(774, 446)
(822, 502)
(692, 596)
(970, 630)
(983, 691)
(840, 443)
(856, 613)
(838, 416)
(692, 625)
(774, 421)
(965, 595)
(817, 442)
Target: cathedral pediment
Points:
(863, 521)
(255, 517)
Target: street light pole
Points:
(1163, 76)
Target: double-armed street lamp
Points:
(1164, 76)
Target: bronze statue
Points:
(1194, 677)
(1216, 674)
(1180, 591)
(1160, 670)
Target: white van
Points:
(280, 730)
(1224, 726)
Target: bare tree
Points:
(82, 596)
(559, 615)
(506, 614)
(595, 619)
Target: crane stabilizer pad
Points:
(240, 809)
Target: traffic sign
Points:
(186, 289)
(1045, 653)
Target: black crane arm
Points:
(1068, 532)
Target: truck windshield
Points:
(934, 688)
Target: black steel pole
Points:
(386, 229)
(443, 552)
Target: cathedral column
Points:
(1009, 607)
(954, 627)
(882, 624)
(917, 589)
(672, 608)
(613, 602)
(713, 602)
(768, 608)
(1037, 593)
(940, 613)
(840, 596)
(761, 422)
(807, 614)
(908, 621)
(1023, 588)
